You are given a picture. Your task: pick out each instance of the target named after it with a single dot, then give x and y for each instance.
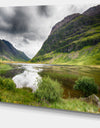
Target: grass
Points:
(19, 96)
(26, 97)
(87, 85)
(67, 75)
(55, 75)
(75, 43)
(7, 83)
(49, 90)
(89, 55)
(75, 105)
(4, 68)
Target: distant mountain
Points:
(74, 40)
(8, 52)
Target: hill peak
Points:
(74, 40)
(8, 52)
(93, 11)
(64, 21)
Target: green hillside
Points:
(74, 40)
(9, 53)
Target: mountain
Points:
(74, 40)
(8, 52)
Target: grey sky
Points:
(28, 27)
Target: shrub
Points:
(48, 90)
(28, 89)
(87, 85)
(7, 84)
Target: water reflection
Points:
(29, 78)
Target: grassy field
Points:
(26, 97)
(10, 94)
(4, 68)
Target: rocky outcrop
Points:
(65, 21)
(92, 99)
(90, 12)
(93, 11)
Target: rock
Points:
(93, 11)
(98, 104)
(93, 99)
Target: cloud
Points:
(73, 8)
(79, 8)
(25, 26)
(25, 41)
(45, 11)
(17, 19)
(21, 20)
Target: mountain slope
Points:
(75, 36)
(8, 52)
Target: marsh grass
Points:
(87, 85)
(66, 79)
(22, 96)
(26, 97)
(7, 83)
(75, 105)
(4, 68)
(19, 96)
(88, 55)
(48, 90)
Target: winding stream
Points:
(29, 78)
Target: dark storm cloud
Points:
(34, 36)
(77, 8)
(73, 8)
(25, 41)
(45, 10)
(24, 21)
(18, 23)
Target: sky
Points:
(26, 28)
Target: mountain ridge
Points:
(72, 34)
(64, 21)
(8, 52)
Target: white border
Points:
(19, 116)
(5, 3)
(22, 116)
